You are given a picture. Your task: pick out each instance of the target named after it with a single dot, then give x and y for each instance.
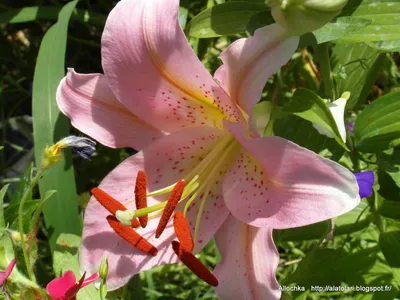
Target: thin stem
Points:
(322, 52)
(21, 223)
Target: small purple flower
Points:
(350, 127)
(365, 181)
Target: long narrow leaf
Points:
(61, 211)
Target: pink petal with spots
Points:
(165, 162)
(249, 262)
(6, 274)
(277, 184)
(154, 72)
(88, 101)
(59, 287)
(249, 62)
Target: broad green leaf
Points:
(390, 209)
(310, 232)
(340, 28)
(1, 148)
(225, 19)
(66, 258)
(389, 161)
(355, 220)
(384, 26)
(378, 126)
(33, 13)
(331, 267)
(356, 69)
(309, 106)
(390, 246)
(61, 212)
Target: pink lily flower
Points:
(239, 186)
(66, 287)
(4, 275)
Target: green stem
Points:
(373, 203)
(21, 223)
(322, 51)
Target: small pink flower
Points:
(6, 274)
(66, 287)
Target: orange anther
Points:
(170, 207)
(141, 196)
(182, 231)
(111, 204)
(132, 237)
(194, 264)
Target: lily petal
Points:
(249, 262)
(88, 101)
(59, 287)
(249, 62)
(278, 184)
(165, 161)
(154, 72)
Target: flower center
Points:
(199, 181)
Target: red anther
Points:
(182, 231)
(170, 207)
(194, 265)
(132, 237)
(111, 204)
(141, 196)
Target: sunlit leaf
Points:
(225, 19)
(61, 211)
(309, 106)
(378, 126)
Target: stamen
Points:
(182, 231)
(140, 196)
(132, 237)
(170, 207)
(194, 264)
(111, 204)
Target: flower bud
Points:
(103, 271)
(302, 16)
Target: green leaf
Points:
(355, 220)
(66, 258)
(342, 27)
(33, 13)
(304, 233)
(61, 212)
(384, 26)
(309, 106)
(2, 194)
(356, 69)
(225, 19)
(378, 126)
(390, 209)
(390, 163)
(22, 186)
(390, 246)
